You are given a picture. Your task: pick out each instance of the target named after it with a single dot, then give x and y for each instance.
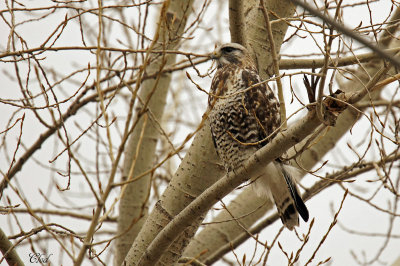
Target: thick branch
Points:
(9, 251)
(301, 63)
(257, 42)
(254, 166)
(196, 173)
(139, 156)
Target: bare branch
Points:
(382, 53)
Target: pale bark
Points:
(302, 63)
(256, 34)
(133, 207)
(196, 173)
(247, 206)
(397, 262)
(236, 22)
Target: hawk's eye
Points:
(228, 49)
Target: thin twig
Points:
(329, 230)
(275, 64)
(339, 27)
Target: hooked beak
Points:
(215, 55)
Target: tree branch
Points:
(301, 63)
(8, 250)
(139, 155)
(346, 31)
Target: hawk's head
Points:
(232, 53)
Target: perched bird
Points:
(244, 115)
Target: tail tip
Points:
(290, 217)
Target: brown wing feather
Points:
(262, 104)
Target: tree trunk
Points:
(133, 204)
